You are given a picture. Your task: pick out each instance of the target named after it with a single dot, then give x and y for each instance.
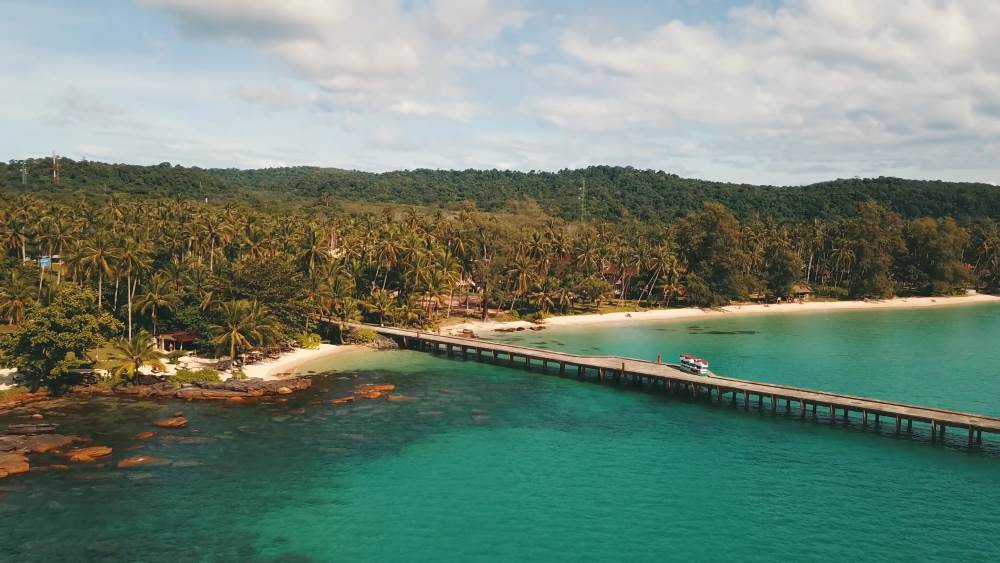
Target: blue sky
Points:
(779, 91)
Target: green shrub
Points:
(831, 292)
(309, 341)
(174, 356)
(362, 336)
(238, 374)
(537, 317)
(185, 375)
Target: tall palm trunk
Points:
(128, 282)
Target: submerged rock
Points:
(49, 442)
(145, 435)
(175, 422)
(342, 400)
(189, 439)
(138, 461)
(380, 387)
(30, 428)
(89, 454)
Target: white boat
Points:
(694, 365)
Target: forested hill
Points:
(611, 192)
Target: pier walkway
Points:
(672, 378)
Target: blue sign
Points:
(45, 262)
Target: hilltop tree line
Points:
(597, 193)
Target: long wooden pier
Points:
(831, 406)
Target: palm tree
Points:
(16, 295)
(380, 303)
(564, 298)
(216, 230)
(542, 299)
(129, 355)
(245, 325)
(157, 295)
(314, 250)
(96, 254)
(133, 259)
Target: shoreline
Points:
(729, 310)
(288, 364)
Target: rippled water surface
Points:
(489, 463)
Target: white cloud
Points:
(374, 55)
(883, 81)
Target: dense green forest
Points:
(612, 193)
(141, 251)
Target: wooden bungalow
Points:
(170, 341)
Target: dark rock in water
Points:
(48, 442)
(156, 390)
(192, 393)
(30, 428)
(256, 387)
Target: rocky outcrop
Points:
(233, 390)
(383, 342)
(13, 463)
(257, 387)
(48, 442)
(35, 443)
(197, 393)
(175, 422)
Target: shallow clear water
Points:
(490, 463)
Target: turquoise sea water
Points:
(489, 463)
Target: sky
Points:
(763, 91)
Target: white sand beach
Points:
(289, 362)
(747, 309)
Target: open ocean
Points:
(485, 463)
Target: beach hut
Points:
(802, 291)
(170, 341)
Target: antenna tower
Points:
(55, 169)
(24, 172)
(583, 200)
